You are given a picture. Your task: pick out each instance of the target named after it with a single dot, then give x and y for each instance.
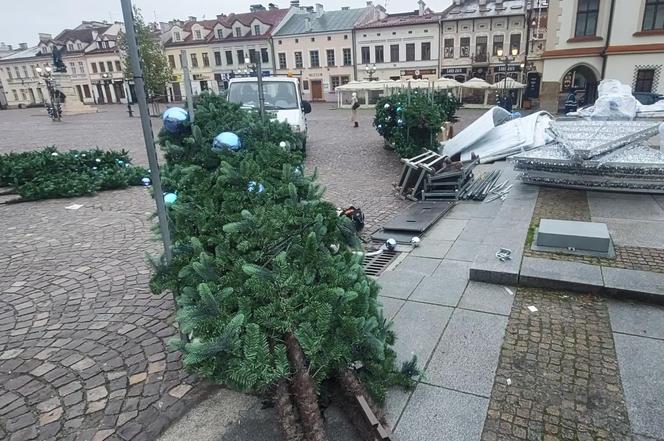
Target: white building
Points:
(400, 46)
(590, 40)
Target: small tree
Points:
(157, 73)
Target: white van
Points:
(282, 97)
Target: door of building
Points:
(79, 92)
(118, 88)
(177, 92)
(107, 90)
(316, 90)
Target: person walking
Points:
(354, 105)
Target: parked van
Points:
(282, 96)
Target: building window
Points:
(334, 83)
(298, 60)
(305, 84)
(264, 56)
(102, 67)
(34, 71)
(313, 39)
(176, 36)
(240, 56)
(313, 58)
(198, 35)
(238, 32)
(366, 54)
(17, 71)
(81, 67)
(110, 66)
(348, 58)
(25, 70)
(279, 42)
(297, 40)
(515, 42)
(329, 38)
(282, 61)
(644, 80)
(79, 46)
(220, 33)
(448, 48)
(345, 37)
(586, 18)
(252, 55)
(426, 51)
(217, 58)
(206, 59)
(118, 67)
(653, 18)
(498, 43)
(480, 48)
(194, 60)
(257, 29)
(410, 52)
(15, 94)
(171, 61)
(94, 67)
(86, 91)
(379, 53)
(70, 46)
(229, 57)
(330, 57)
(464, 47)
(394, 53)
(9, 74)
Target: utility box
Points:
(589, 237)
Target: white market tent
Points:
(476, 85)
(510, 84)
(446, 83)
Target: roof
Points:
(402, 19)
(343, 20)
(470, 9)
(26, 53)
(269, 17)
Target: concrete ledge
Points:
(640, 285)
(487, 268)
(560, 274)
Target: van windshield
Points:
(278, 94)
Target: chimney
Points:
(307, 24)
(422, 6)
(482, 2)
(295, 3)
(457, 2)
(256, 7)
(272, 6)
(192, 18)
(21, 46)
(369, 3)
(319, 10)
(345, 8)
(221, 17)
(45, 37)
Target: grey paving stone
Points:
(476, 230)
(634, 233)
(390, 306)
(445, 286)
(474, 210)
(418, 327)
(488, 268)
(446, 229)
(395, 402)
(440, 414)
(560, 274)
(419, 265)
(631, 283)
(640, 360)
(487, 297)
(462, 250)
(467, 356)
(436, 249)
(639, 319)
(633, 206)
(398, 284)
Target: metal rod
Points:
(187, 84)
(139, 83)
(259, 78)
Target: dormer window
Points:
(220, 33)
(79, 46)
(238, 32)
(70, 46)
(198, 35)
(44, 50)
(176, 36)
(257, 29)
(99, 45)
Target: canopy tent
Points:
(446, 83)
(508, 83)
(477, 86)
(476, 83)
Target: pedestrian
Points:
(354, 105)
(571, 104)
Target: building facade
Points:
(317, 46)
(400, 46)
(105, 68)
(591, 40)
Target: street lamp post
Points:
(507, 60)
(371, 70)
(47, 75)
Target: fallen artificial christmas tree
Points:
(270, 289)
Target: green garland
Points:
(49, 173)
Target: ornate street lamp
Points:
(47, 75)
(371, 70)
(507, 60)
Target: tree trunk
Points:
(305, 392)
(288, 418)
(351, 387)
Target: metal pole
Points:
(187, 84)
(137, 73)
(259, 77)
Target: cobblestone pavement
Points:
(558, 203)
(558, 375)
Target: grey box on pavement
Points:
(588, 236)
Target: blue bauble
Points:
(174, 119)
(399, 109)
(170, 198)
(255, 187)
(146, 181)
(226, 141)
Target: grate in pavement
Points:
(375, 265)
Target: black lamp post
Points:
(47, 75)
(371, 70)
(506, 59)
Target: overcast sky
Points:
(23, 20)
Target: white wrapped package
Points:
(615, 102)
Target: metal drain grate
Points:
(375, 265)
